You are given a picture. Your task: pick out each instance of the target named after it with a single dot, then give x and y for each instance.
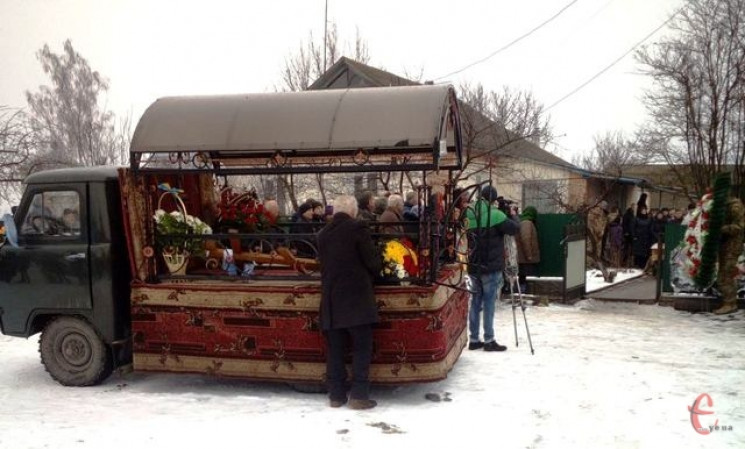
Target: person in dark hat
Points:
(486, 227)
(304, 246)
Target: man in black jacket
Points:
(349, 262)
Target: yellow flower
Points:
(394, 252)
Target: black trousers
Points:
(361, 338)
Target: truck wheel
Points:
(73, 353)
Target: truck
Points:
(86, 264)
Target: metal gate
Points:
(575, 247)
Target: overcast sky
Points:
(154, 48)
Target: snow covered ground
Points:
(594, 278)
(604, 375)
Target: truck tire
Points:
(73, 353)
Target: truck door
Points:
(49, 270)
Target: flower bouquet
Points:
(399, 260)
(242, 212)
(175, 233)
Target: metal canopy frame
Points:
(351, 130)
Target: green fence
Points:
(550, 235)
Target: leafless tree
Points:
(70, 124)
(313, 58)
(697, 103)
(496, 125)
(613, 154)
(16, 153)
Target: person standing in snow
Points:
(627, 223)
(730, 251)
(528, 251)
(348, 311)
(597, 220)
(643, 237)
(486, 228)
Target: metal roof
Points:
(75, 174)
(386, 117)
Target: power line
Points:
(616, 61)
(509, 44)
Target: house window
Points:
(542, 196)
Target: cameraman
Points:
(487, 225)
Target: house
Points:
(520, 169)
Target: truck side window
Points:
(53, 213)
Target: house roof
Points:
(349, 73)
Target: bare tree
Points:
(697, 103)
(313, 58)
(497, 124)
(302, 68)
(16, 153)
(613, 154)
(69, 123)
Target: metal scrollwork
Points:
(200, 160)
(361, 157)
(277, 160)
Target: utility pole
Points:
(325, 32)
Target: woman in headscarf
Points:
(528, 251)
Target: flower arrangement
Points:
(242, 211)
(174, 228)
(399, 259)
(701, 240)
(696, 233)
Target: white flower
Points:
(400, 272)
(159, 214)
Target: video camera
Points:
(505, 205)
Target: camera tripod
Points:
(518, 302)
(511, 274)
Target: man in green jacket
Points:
(486, 227)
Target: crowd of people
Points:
(345, 246)
(626, 240)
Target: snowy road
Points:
(604, 375)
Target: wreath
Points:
(702, 236)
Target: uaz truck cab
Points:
(64, 274)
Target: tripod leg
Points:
(512, 298)
(525, 318)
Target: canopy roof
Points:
(406, 119)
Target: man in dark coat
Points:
(349, 262)
(643, 237)
(627, 223)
